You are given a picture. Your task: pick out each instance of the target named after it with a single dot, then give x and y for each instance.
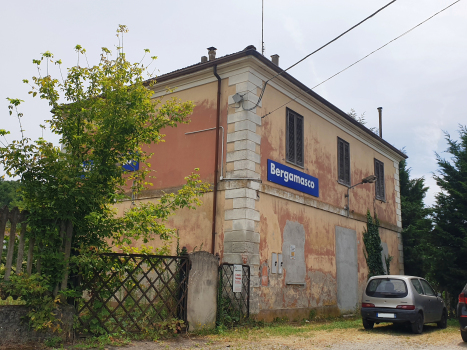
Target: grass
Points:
(284, 332)
(307, 330)
(102, 342)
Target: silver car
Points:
(402, 299)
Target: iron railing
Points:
(133, 293)
(233, 307)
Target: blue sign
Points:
(132, 165)
(289, 177)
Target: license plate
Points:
(383, 315)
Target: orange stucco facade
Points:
(257, 220)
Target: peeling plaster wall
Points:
(277, 299)
(194, 226)
(256, 217)
(320, 159)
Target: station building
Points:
(280, 168)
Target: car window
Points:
(416, 284)
(386, 288)
(428, 290)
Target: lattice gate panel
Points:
(233, 307)
(136, 294)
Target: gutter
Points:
(216, 161)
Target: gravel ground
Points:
(384, 337)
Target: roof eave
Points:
(277, 69)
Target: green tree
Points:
(104, 114)
(416, 221)
(9, 195)
(448, 240)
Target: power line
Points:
(353, 64)
(319, 49)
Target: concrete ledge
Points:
(14, 331)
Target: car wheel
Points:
(444, 320)
(367, 324)
(417, 326)
(464, 336)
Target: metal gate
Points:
(233, 308)
(133, 293)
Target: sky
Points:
(420, 80)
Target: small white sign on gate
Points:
(237, 279)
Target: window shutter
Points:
(290, 137)
(379, 186)
(294, 138)
(377, 178)
(381, 183)
(343, 161)
(299, 140)
(347, 163)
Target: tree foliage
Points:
(104, 114)
(416, 221)
(9, 195)
(448, 240)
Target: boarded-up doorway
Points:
(347, 269)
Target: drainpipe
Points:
(216, 161)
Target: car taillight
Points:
(462, 298)
(367, 305)
(406, 307)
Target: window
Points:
(379, 185)
(343, 159)
(386, 288)
(418, 287)
(428, 290)
(294, 138)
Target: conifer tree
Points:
(416, 223)
(448, 241)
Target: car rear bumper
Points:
(400, 316)
(462, 312)
(463, 323)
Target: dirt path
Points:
(384, 337)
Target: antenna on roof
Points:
(262, 27)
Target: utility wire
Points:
(322, 47)
(353, 64)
